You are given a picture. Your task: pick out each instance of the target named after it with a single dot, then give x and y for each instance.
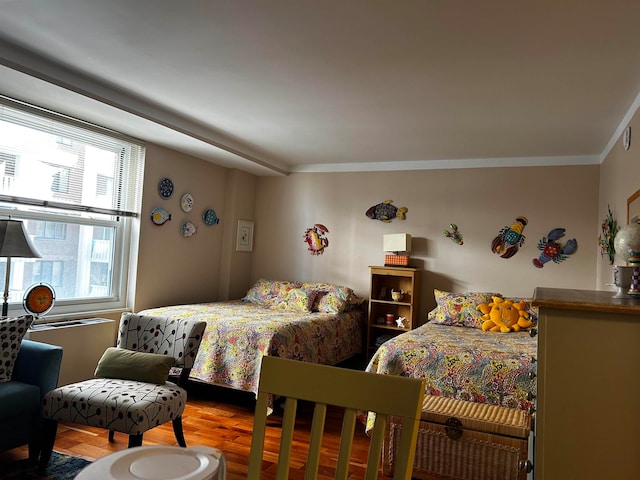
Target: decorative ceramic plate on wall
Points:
(159, 216)
(209, 217)
(186, 203)
(39, 299)
(165, 188)
(188, 229)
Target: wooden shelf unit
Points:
(383, 281)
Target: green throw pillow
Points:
(131, 365)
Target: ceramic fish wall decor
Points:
(386, 211)
(159, 216)
(188, 229)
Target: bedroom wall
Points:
(479, 201)
(206, 267)
(172, 268)
(619, 179)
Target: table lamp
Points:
(397, 245)
(14, 242)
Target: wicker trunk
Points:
(461, 440)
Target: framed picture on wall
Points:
(244, 236)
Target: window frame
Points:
(123, 216)
(118, 300)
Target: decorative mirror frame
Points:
(633, 207)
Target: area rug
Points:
(61, 467)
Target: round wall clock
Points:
(626, 138)
(165, 188)
(39, 299)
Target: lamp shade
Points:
(396, 242)
(14, 240)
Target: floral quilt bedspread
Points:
(239, 334)
(464, 363)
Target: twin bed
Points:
(464, 363)
(313, 322)
(480, 388)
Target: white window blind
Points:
(55, 161)
(78, 189)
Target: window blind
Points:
(55, 161)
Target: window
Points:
(49, 230)
(60, 181)
(49, 272)
(104, 185)
(77, 188)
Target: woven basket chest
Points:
(460, 440)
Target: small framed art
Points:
(244, 237)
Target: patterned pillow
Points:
(330, 298)
(354, 302)
(269, 293)
(459, 309)
(12, 330)
(298, 300)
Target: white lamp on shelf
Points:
(14, 242)
(397, 246)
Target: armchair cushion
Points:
(38, 364)
(124, 406)
(17, 398)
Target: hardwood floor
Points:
(223, 419)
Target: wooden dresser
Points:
(588, 406)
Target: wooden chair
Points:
(355, 391)
(132, 395)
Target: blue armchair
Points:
(35, 373)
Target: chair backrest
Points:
(355, 391)
(177, 338)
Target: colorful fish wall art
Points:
(188, 229)
(510, 239)
(159, 216)
(386, 211)
(551, 249)
(316, 239)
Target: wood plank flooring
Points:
(219, 418)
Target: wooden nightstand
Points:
(384, 311)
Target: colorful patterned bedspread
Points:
(238, 334)
(463, 363)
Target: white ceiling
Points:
(278, 86)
